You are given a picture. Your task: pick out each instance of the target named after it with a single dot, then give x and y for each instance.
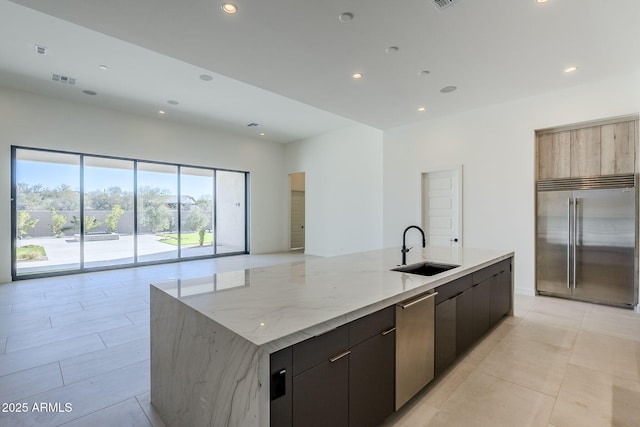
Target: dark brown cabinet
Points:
(281, 388)
(372, 369)
(445, 335)
(501, 294)
(321, 395)
(481, 310)
(344, 377)
(320, 390)
(469, 307)
(464, 321)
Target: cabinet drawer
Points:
(451, 289)
(368, 326)
(319, 349)
(492, 270)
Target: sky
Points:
(52, 175)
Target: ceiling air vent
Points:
(442, 4)
(63, 79)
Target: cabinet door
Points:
(617, 142)
(321, 395)
(372, 380)
(481, 307)
(500, 296)
(585, 152)
(280, 388)
(554, 155)
(445, 351)
(464, 321)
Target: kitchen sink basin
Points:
(425, 268)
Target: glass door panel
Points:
(108, 212)
(47, 201)
(157, 212)
(196, 216)
(230, 212)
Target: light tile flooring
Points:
(84, 340)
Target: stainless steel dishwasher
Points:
(415, 335)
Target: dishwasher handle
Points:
(416, 301)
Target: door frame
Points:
(457, 169)
(289, 207)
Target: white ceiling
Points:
(287, 64)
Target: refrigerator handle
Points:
(569, 243)
(575, 239)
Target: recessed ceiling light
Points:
(570, 69)
(357, 76)
(422, 109)
(392, 49)
(542, 1)
(229, 8)
(89, 92)
(173, 102)
(206, 77)
(448, 89)
(345, 17)
(423, 73)
(161, 112)
(103, 67)
(261, 133)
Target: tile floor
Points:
(84, 340)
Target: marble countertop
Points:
(280, 305)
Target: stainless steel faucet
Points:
(404, 245)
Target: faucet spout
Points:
(404, 245)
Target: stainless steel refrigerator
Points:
(587, 239)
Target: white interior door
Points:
(442, 207)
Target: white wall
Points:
(343, 189)
(495, 145)
(34, 121)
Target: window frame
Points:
(136, 263)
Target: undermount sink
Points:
(425, 268)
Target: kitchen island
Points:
(212, 337)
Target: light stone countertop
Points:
(281, 305)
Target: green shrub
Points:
(113, 218)
(25, 224)
(57, 223)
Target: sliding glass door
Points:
(108, 212)
(74, 212)
(47, 208)
(196, 212)
(157, 212)
(230, 211)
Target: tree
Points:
(157, 217)
(197, 221)
(107, 199)
(25, 223)
(57, 223)
(156, 214)
(113, 218)
(38, 197)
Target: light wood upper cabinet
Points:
(585, 152)
(618, 148)
(606, 149)
(554, 155)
